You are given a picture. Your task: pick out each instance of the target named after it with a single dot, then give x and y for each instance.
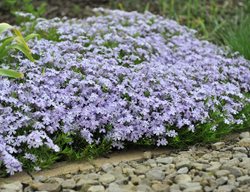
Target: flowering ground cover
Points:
(113, 79)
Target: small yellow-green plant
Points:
(16, 42)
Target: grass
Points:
(208, 17)
(237, 37)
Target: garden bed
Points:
(114, 79)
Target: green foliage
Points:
(206, 16)
(74, 147)
(237, 37)
(25, 6)
(17, 42)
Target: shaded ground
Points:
(73, 8)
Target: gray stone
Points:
(183, 178)
(68, 190)
(243, 180)
(40, 178)
(159, 187)
(245, 163)
(245, 135)
(155, 174)
(143, 188)
(240, 155)
(86, 182)
(107, 167)
(141, 169)
(226, 188)
(221, 181)
(164, 160)
(54, 180)
(93, 176)
(218, 145)
(221, 173)
(208, 189)
(183, 170)
(185, 162)
(96, 188)
(50, 187)
(106, 178)
(245, 142)
(69, 184)
(200, 166)
(128, 170)
(190, 185)
(231, 163)
(113, 187)
(147, 155)
(214, 166)
(175, 188)
(151, 163)
(15, 187)
(234, 171)
(135, 180)
(240, 149)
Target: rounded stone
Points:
(159, 187)
(155, 174)
(182, 178)
(244, 180)
(147, 155)
(218, 145)
(106, 178)
(69, 184)
(164, 160)
(244, 135)
(96, 188)
(15, 186)
(107, 167)
(183, 170)
(50, 187)
(221, 173)
(245, 142)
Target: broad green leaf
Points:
(20, 41)
(31, 36)
(4, 47)
(24, 50)
(5, 27)
(11, 73)
(17, 32)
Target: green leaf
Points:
(31, 36)
(5, 27)
(24, 50)
(11, 73)
(4, 47)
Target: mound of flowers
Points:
(119, 77)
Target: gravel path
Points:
(220, 167)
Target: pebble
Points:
(96, 188)
(165, 160)
(223, 168)
(107, 178)
(183, 170)
(218, 145)
(147, 155)
(69, 184)
(245, 142)
(15, 187)
(183, 178)
(49, 187)
(155, 174)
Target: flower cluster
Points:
(123, 75)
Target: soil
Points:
(60, 8)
